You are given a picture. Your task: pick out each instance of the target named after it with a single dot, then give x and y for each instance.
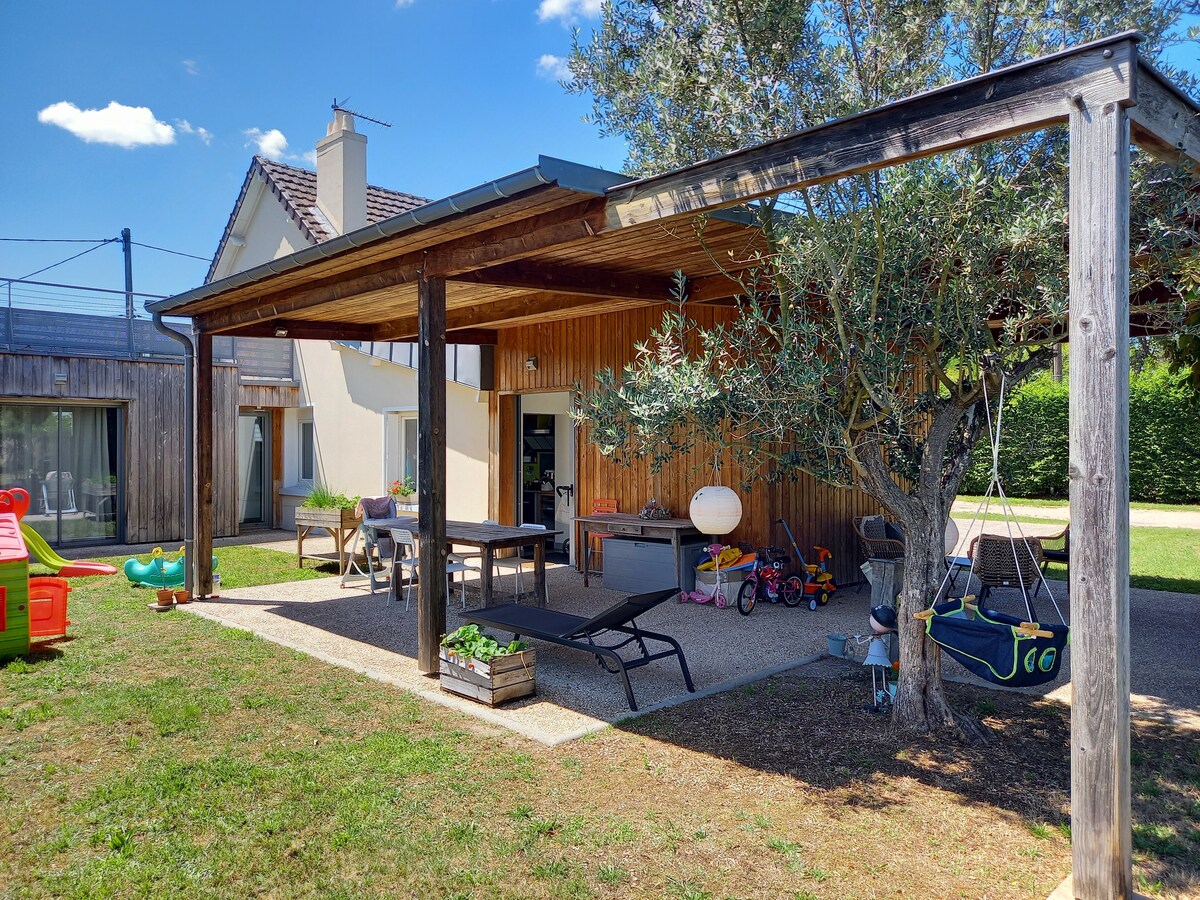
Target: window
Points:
(308, 453)
(400, 447)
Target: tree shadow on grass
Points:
(816, 731)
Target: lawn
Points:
(1062, 504)
(1160, 559)
(164, 755)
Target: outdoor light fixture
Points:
(280, 331)
(531, 363)
(715, 510)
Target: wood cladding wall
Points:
(571, 351)
(152, 395)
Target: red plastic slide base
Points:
(80, 569)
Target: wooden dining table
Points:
(488, 539)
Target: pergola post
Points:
(1099, 401)
(202, 486)
(431, 469)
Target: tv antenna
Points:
(340, 107)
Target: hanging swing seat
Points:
(1001, 649)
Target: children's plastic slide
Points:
(64, 568)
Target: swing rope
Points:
(1006, 510)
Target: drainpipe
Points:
(189, 453)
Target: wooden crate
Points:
(504, 678)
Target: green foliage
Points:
(471, 642)
(1164, 454)
(323, 497)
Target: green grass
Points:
(1160, 559)
(1062, 504)
(240, 566)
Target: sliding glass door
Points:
(253, 463)
(69, 460)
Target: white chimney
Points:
(342, 174)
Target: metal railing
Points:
(51, 321)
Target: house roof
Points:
(296, 190)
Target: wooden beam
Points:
(1099, 471)
(1165, 120)
(376, 277)
(299, 329)
(508, 242)
(587, 282)
(518, 240)
(471, 317)
(202, 505)
(431, 471)
(998, 104)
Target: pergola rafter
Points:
(548, 248)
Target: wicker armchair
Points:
(872, 532)
(1000, 561)
(1057, 548)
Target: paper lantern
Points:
(950, 539)
(715, 510)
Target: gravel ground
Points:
(365, 632)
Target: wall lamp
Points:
(531, 363)
(280, 331)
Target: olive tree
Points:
(882, 311)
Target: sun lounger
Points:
(575, 631)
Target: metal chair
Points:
(516, 563)
(600, 507)
(405, 566)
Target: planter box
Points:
(504, 678)
(326, 518)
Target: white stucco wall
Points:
(267, 230)
(348, 394)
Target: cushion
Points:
(893, 531)
(378, 508)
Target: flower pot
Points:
(166, 596)
(183, 596)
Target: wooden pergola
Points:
(561, 241)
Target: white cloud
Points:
(271, 144)
(553, 67)
(190, 66)
(400, 4)
(186, 127)
(568, 10)
(125, 126)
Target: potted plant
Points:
(474, 664)
(404, 492)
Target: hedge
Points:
(1164, 441)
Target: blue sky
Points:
(464, 83)
(459, 80)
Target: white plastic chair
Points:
(405, 565)
(56, 481)
(516, 563)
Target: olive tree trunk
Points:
(922, 510)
